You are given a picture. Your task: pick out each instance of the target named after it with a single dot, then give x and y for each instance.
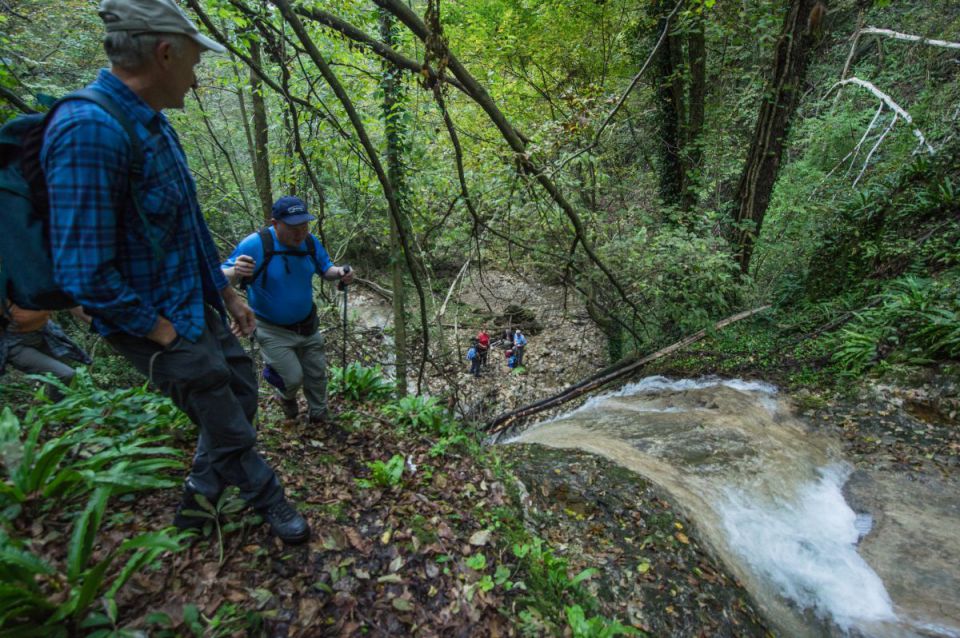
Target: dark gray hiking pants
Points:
(213, 381)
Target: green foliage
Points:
(546, 575)
(386, 475)
(60, 461)
(229, 620)
(596, 626)
(217, 516)
(359, 384)
(419, 413)
(914, 320)
(76, 461)
(31, 600)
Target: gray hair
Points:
(131, 51)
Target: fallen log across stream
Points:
(629, 366)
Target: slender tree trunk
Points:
(393, 127)
(261, 159)
(669, 87)
(693, 148)
(776, 112)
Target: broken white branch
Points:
(856, 149)
(873, 150)
(906, 37)
(890, 103)
(443, 308)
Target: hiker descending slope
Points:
(155, 290)
(277, 265)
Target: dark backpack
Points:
(26, 268)
(269, 250)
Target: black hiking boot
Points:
(286, 523)
(290, 407)
(324, 420)
(189, 502)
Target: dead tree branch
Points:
(887, 100)
(504, 421)
(906, 37)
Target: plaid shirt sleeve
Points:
(86, 156)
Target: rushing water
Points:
(767, 494)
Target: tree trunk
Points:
(681, 89)
(669, 87)
(393, 128)
(693, 148)
(261, 159)
(773, 123)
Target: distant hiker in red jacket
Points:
(483, 345)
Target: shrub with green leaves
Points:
(419, 413)
(547, 574)
(64, 459)
(359, 384)
(596, 626)
(384, 474)
(914, 320)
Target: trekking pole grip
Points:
(346, 270)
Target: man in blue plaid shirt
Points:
(155, 289)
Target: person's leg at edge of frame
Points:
(28, 354)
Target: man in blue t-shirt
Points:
(280, 292)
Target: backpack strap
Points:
(266, 241)
(136, 150)
(270, 249)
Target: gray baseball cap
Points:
(152, 16)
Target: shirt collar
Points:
(129, 100)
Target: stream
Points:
(822, 548)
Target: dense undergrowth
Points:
(414, 525)
(880, 293)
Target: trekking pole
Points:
(343, 287)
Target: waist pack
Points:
(26, 267)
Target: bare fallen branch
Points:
(866, 162)
(886, 99)
(504, 421)
(906, 37)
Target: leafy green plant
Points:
(217, 517)
(596, 626)
(117, 411)
(32, 602)
(914, 320)
(547, 574)
(77, 460)
(419, 413)
(359, 384)
(388, 475)
(62, 460)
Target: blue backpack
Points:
(26, 267)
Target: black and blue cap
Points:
(291, 210)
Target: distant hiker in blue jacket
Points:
(473, 356)
(519, 344)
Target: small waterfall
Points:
(765, 492)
